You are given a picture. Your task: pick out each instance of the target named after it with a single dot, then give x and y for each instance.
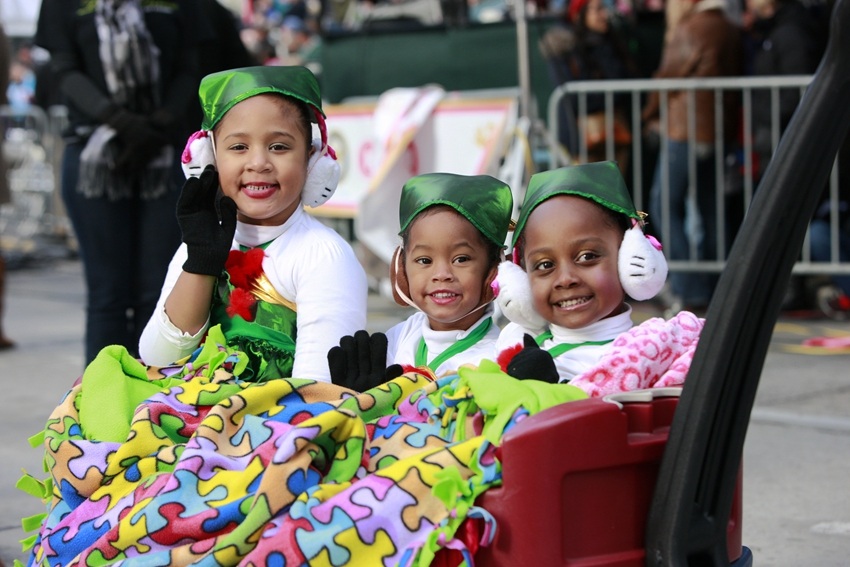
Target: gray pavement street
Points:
(796, 458)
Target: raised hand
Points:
(208, 221)
(360, 362)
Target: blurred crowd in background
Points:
(580, 40)
(291, 32)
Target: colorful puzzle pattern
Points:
(216, 471)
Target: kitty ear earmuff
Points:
(322, 170)
(198, 154)
(513, 296)
(322, 175)
(641, 264)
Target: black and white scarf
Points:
(129, 56)
(130, 62)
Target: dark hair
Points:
(616, 220)
(304, 116)
(494, 251)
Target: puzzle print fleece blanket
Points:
(188, 465)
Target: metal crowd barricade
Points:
(637, 89)
(32, 149)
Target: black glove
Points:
(533, 363)
(360, 362)
(208, 221)
(139, 138)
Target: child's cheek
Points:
(539, 295)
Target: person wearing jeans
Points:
(125, 246)
(128, 72)
(703, 43)
(692, 288)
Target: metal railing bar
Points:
(748, 149)
(697, 83)
(582, 131)
(774, 122)
(554, 126)
(693, 252)
(745, 85)
(609, 125)
(665, 167)
(834, 214)
(637, 153)
(719, 178)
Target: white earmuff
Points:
(322, 176)
(513, 296)
(198, 154)
(641, 264)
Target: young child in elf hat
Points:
(252, 260)
(579, 249)
(453, 229)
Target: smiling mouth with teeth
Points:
(573, 302)
(443, 295)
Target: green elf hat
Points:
(484, 201)
(219, 92)
(600, 182)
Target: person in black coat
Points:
(127, 70)
(587, 47)
(785, 38)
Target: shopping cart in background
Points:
(33, 225)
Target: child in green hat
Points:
(453, 230)
(579, 249)
(252, 260)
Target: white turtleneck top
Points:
(403, 342)
(308, 264)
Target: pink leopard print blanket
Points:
(654, 354)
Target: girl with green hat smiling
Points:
(453, 230)
(579, 249)
(252, 260)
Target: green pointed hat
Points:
(600, 182)
(485, 201)
(220, 91)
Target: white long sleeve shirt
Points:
(403, 342)
(573, 362)
(308, 264)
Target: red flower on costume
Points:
(243, 268)
(241, 301)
